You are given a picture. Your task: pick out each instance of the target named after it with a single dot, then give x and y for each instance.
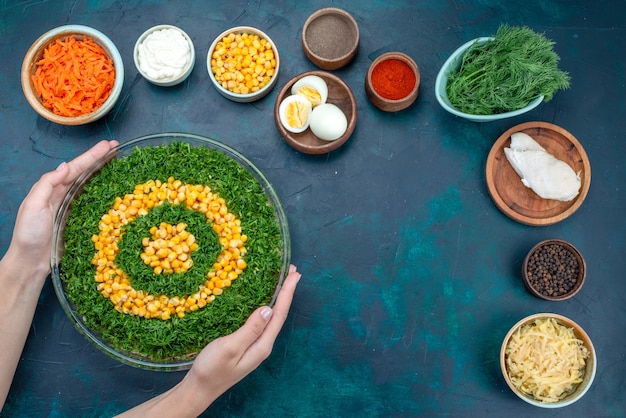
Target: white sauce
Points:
(164, 54)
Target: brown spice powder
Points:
(330, 37)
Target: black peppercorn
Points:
(552, 270)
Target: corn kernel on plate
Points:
(166, 244)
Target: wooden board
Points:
(520, 202)
(339, 94)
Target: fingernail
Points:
(266, 313)
(61, 166)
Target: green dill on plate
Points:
(177, 338)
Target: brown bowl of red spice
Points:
(392, 81)
(554, 270)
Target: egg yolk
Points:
(311, 94)
(296, 114)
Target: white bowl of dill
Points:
(167, 243)
(501, 76)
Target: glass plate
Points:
(96, 336)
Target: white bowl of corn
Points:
(243, 64)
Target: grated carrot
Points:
(74, 77)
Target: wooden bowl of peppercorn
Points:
(554, 270)
(392, 82)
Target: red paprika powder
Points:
(393, 79)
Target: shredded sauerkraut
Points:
(545, 359)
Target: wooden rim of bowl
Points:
(582, 270)
(390, 104)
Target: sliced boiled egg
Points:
(295, 112)
(328, 122)
(312, 87)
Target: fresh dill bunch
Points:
(506, 73)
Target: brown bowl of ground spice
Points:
(330, 38)
(392, 81)
(554, 270)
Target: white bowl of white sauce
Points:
(164, 55)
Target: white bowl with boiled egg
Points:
(315, 112)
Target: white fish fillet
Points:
(539, 170)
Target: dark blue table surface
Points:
(410, 272)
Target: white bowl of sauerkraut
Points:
(548, 360)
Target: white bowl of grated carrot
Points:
(78, 96)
